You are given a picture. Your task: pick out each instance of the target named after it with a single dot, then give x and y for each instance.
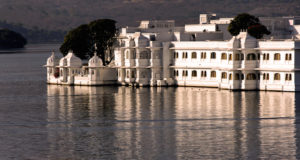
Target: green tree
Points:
(11, 39)
(98, 36)
(79, 41)
(103, 32)
(245, 21)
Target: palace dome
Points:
(52, 60)
(70, 60)
(95, 61)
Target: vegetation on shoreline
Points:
(35, 35)
(10, 39)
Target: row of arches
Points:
(233, 76)
(277, 56)
(134, 55)
(185, 73)
(277, 76)
(224, 56)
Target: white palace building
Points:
(157, 53)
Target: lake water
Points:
(40, 121)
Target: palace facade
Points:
(157, 53)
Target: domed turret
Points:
(141, 40)
(95, 61)
(52, 60)
(70, 60)
(247, 41)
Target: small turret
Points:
(95, 61)
(53, 60)
(70, 60)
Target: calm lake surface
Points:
(40, 121)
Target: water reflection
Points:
(171, 123)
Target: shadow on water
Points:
(170, 123)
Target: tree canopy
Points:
(11, 39)
(245, 21)
(97, 36)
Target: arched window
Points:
(288, 77)
(133, 54)
(242, 77)
(213, 74)
(127, 55)
(230, 76)
(224, 56)
(213, 55)
(194, 55)
(224, 75)
(288, 57)
(277, 56)
(203, 55)
(251, 56)
(230, 57)
(242, 57)
(236, 57)
(251, 76)
(194, 73)
(184, 73)
(237, 76)
(175, 55)
(203, 73)
(132, 74)
(276, 76)
(127, 74)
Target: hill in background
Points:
(60, 15)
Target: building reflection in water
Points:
(173, 123)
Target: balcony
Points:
(129, 62)
(155, 62)
(249, 64)
(142, 62)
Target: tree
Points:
(245, 21)
(11, 39)
(103, 34)
(98, 36)
(79, 41)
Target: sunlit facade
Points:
(157, 53)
